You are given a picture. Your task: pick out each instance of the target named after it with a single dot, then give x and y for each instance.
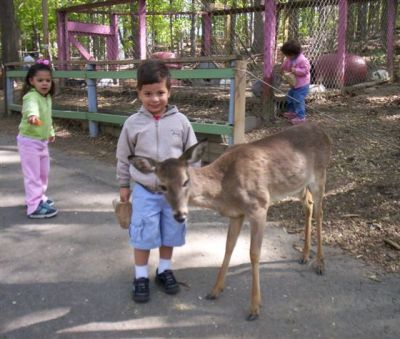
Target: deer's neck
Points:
(205, 186)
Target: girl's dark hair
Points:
(153, 71)
(31, 73)
(291, 48)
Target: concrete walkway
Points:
(70, 276)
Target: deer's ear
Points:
(143, 164)
(194, 153)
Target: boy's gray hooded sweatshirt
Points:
(143, 135)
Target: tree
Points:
(9, 32)
(258, 42)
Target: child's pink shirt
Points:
(302, 69)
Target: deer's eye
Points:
(186, 183)
(163, 188)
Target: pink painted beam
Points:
(77, 8)
(341, 51)
(80, 48)
(61, 37)
(83, 28)
(112, 40)
(269, 43)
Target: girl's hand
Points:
(52, 139)
(293, 70)
(34, 120)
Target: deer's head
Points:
(174, 177)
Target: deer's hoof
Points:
(252, 316)
(320, 268)
(211, 296)
(304, 261)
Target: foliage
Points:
(30, 20)
(173, 31)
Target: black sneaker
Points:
(141, 291)
(167, 281)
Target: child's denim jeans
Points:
(295, 101)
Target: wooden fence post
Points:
(239, 102)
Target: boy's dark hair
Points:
(153, 71)
(291, 48)
(31, 73)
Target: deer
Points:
(243, 182)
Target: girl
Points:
(296, 64)
(35, 131)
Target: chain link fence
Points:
(195, 28)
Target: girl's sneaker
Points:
(50, 202)
(289, 115)
(43, 211)
(297, 121)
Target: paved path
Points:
(70, 277)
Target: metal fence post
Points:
(92, 102)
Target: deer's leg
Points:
(308, 210)
(257, 232)
(318, 194)
(235, 225)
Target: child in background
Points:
(35, 132)
(298, 65)
(159, 131)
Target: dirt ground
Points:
(362, 204)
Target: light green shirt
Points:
(38, 105)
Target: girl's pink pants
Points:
(35, 163)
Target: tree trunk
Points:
(135, 29)
(293, 15)
(45, 11)
(362, 23)
(193, 31)
(258, 42)
(10, 41)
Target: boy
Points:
(158, 131)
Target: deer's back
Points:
(274, 167)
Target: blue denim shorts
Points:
(152, 224)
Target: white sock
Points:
(141, 271)
(165, 264)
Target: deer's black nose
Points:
(180, 217)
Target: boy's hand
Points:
(52, 139)
(123, 212)
(124, 194)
